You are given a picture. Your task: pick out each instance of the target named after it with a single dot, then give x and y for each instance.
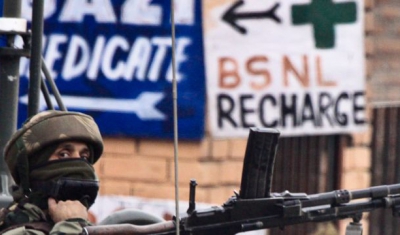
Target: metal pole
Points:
(9, 89)
(175, 108)
(36, 57)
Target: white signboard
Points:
(293, 65)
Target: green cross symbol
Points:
(323, 15)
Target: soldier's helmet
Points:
(47, 128)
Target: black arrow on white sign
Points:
(232, 16)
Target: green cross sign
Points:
(323, 15)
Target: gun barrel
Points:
(253, 214)
(256, 208)
(345, 196)
(377, 191)
(122, 229)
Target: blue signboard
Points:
(112, 59)
(2, 39)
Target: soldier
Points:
(51, 160)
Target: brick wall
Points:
(140, 167)
(145, 168)
(356, 164)
(356, 158)
(385, 50)
(382, 49)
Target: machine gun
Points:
(255, 207)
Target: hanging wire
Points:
(46, 94)
(175, 114)
(53, 86)
(37, 65)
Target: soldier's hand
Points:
(63, 210)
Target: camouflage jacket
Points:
(30, 219)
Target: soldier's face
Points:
(71, 149)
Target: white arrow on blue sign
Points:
(143, 106)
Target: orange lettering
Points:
(228, 76)
(288, 67)
(263, 72)
(320, 79)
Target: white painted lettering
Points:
(162, 45)
(75, 65)
(93, 70)
(138, 58)
(141, 12)
(180, 57)
(52, 52)
(26, 9)
(109, 53)
(76, 10)
(184, 12)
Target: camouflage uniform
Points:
(38, 223)
(27, 154)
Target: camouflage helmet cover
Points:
(50, 127)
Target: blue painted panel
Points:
(114, 63)
(2, 40)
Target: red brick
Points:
(115, 187)
(166, 191)
(388, 45)
(220, 195)
(146, 190)
(117, 155)
(202, 195)
(187, 170)
(368, 94)
(357, 158)
(219, 149)
(238, 148)
(356, 180)
(231, 172)
(369, 47)
(138, 168)
(362, 138)
(118, 145)
(98, 167)
(386, 64)
(369, 22)
(205, 173)
(209, 173)
(165, 149)
(156, 148)
(369, 4)
(369, 69)
(390, 12)
(194, 150)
